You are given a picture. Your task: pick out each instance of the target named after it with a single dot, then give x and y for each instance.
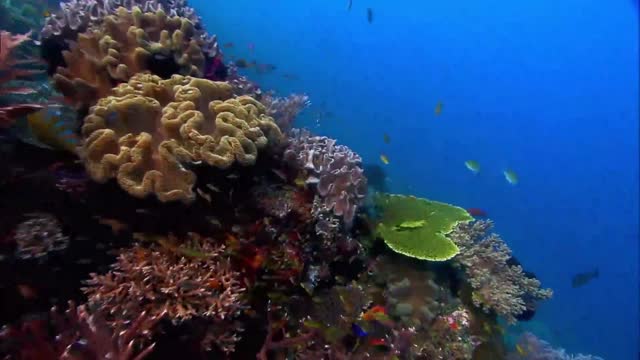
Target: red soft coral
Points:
(9, 71)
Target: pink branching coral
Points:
(9, 71)
(183, 282)
(537, 349)
(285, 109)
(335, 170)
(498, 285)
(80, 335)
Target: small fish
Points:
(349, 5)
(454, 326)
(520, 350)
(242, 63)
(204, 195)
(410, 225)
(377, 342)
(212, 187)
(228, 45)
(251, 46)
(511, 177)
(373, 313)
(370, 15)
(290, 76)
(27, 292)
(116, 226)
(473, 166)
(477, 212)
(358, 331)
(438, 109)
(584, 278)
(46, 13)
(384, 159)
(232, 176)
(280, 174)
(48, 128)
(387, 138)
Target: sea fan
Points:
(9, 71)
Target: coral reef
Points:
(532, 348)
(75, 16)
(37, 237)
(333, 169)
(498, 285)
(284, 110)
(10, 71)
(127, 43)
(180, 280)
(417, 227)
(143, 134)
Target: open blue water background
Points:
(548, 88)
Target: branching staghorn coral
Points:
(127, 43)
(181, 282)
(498, 286)
(145, 132)
(10, 71)
(334, 169)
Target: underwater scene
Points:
(319, 179)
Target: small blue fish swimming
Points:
(358, 331)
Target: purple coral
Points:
(537, 349)
(334, 169)
(284, 110)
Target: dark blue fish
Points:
(358, 331)
(369, 15)
(349, 6)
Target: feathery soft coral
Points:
(9, 71)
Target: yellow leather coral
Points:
(124, 44)
(143, 134)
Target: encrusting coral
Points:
(145, 132)
(124, 44)
(498, 285)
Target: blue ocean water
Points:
(546, 88)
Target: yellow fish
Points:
(384, 159)
(520, 350)
(46, 13)
(511, 177)
(438, 109)
(472, 165)
(49, 130)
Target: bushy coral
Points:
(158, 280)
(284, 110)
(334, 170)
(497, 285)
(534, 348)
(145, 132)
(127, 43)
(9, 71)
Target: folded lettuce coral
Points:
(150, 127)
(124, 44)
(418, 227)
(334, 169)
(498, 285)
(75, 16)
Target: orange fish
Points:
(373, 313)
(377, 342)
(454, 325)
(27, 292)
(116, 226)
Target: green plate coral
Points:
(417, 227)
